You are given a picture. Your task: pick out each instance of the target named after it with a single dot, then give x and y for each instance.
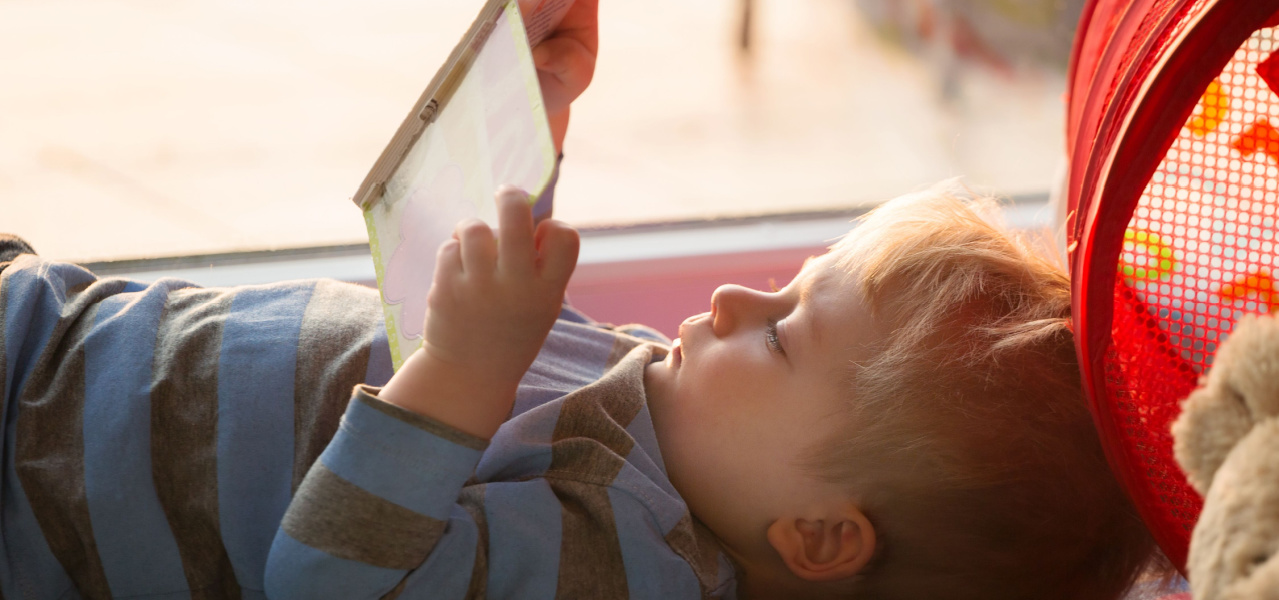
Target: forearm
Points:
(380, 500)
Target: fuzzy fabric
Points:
(12, 246)
(1227, 442)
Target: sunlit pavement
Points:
(133, 128)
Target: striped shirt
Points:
(170, 441)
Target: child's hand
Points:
(565, 63)
(491, 305)
(494, 300)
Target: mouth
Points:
(676, 355)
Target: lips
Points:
(685, 329)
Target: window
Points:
(134, 128)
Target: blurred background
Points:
(146, 128)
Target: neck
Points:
(760, 573)
(752, 586)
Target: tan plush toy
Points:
(1227, 441)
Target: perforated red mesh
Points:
(1198, 253)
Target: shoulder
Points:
(42, 302)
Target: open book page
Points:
(490, 130)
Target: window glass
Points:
(134, 128)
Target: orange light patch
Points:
(1257, 285)
(1258, 137)
(1213, 108)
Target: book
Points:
(479, 124)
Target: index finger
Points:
(515, 252)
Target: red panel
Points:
(1147, 30)
(1269, 71)
(1098, 65)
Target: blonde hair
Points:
(969, 443)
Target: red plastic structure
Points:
(1173, 139)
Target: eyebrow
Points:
(814, 328)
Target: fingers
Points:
(479, 248)
(448, 266)
(582, 22)
(558, 246)
(569, 62)
(448, 260)
(548, 252)
(516, 253)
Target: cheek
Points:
(725, 367)
(725, 389)
(708, 392)
(721, 411)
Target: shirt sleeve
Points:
(380, 501)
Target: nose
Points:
(731, 305)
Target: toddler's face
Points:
(749, 387)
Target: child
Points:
(903, 420)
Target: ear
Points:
(828, 549)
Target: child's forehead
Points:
(834, 270)
(845, 249)
(826, 281)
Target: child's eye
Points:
(773, 342)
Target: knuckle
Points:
(473, 228)
(438, 299)
(565, 239)
(448, 248)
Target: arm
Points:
(399, 461)
(383, 498)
